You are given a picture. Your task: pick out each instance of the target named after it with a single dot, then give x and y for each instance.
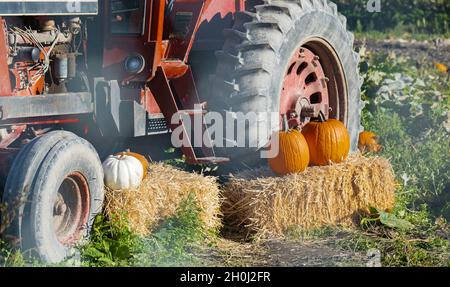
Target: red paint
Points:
(149, 44)
(174, 69)
(305, 79)
(166, 73)
(12, 136)
(73, 200)
(149, 101)
(41, 121)
(5, 83)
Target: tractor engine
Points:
(45, 55)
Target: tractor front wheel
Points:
(53, 192)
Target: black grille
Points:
(157, 125)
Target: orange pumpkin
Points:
(139, 157)
(328, 141)
(441, 67)
(368, 142)
(293, 152)
(293, 155)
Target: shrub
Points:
(414, 16)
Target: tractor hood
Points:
(49, 7)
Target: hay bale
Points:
(160, 195)
(266, 205)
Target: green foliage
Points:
(112, 243)
(399, 250)
(407, 105)
(181, 163)
(9, 257)
(414, 16)
(171, 242)
(386, 219)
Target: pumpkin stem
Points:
(322, 117)
(285, 123)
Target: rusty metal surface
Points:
(5, 83)
(60, 7)
(305, 88)
(71, 209)
(12, 136)
(117, 47)
(45, 105)
(166, 100)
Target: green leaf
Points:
(170, 150)
(387, 219)
(392, 221)
(373, 211)
(93, 253)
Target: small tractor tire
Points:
(53, 193)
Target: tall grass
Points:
(408, 106)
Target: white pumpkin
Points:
(123, 172)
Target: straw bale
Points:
(263, 204)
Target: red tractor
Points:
(76, 77)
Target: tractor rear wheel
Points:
(284, 56)
(53, 192)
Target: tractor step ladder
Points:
(166, 100)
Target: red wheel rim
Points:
(71, 209)
(313, 80)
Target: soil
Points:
(436, 51)
(319, 252)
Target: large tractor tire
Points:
(279, 53)
(53, 193)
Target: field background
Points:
(397, 17)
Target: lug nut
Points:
(293, 115)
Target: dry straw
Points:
(264, 205)
(160, 195)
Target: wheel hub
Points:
(305, 89)
(71, 209)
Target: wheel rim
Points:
(71, 209)
(314, 82)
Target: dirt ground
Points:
(318, 252)
(435, 51)
(290, 253)
(324, 251)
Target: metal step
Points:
(193, 112)
(166, 100)
(212, 160)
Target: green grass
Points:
(113, 244)
(171, 244)
(408, 107)
(10, 257)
